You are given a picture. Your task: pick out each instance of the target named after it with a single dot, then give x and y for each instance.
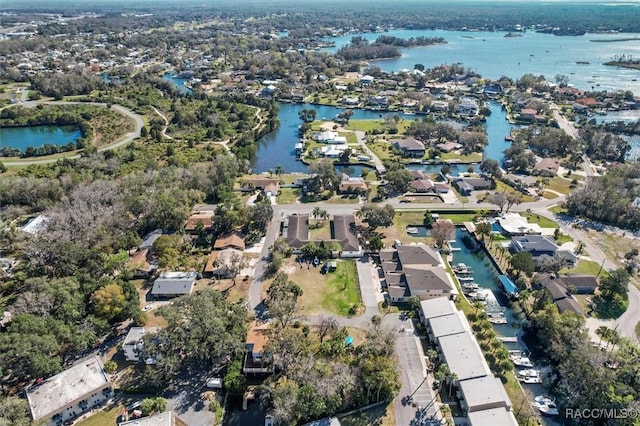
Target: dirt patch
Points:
(289, 268)
(258, 335)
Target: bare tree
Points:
(328, 326)
(442, 231)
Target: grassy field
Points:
(381, 149)
(334, 292)
(103, 417)
(474, 157)
(542, 221)
(288, 195)
(585, 267)
(378, 416)
(343, 199)
(557, 210)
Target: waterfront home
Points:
(439, 106)
(409, 147)
(547, 167)
(69, 394)
(578, 283)
(366, 80)
(329, 137)
(422, 186)
(351, 101)
(173, 284)
(468, 107)
(467, 185)
(560, 295)
(378, 102)
(528, 114)
(449, 146)
(514, 224)
(541, 248)
(352, 185)
(268, 186)
(415, 270)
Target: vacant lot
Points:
(335, 292)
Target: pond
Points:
(37, 136)
(178, 82)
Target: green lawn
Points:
(342, 290)
(288, 195)
(458, 218)
(474, 157)
(103, 417)
(557, 210)
(343, 199)
(542, 221)
(585, 267)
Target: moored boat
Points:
(412, 230)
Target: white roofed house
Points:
(468, 107)
(173, 284)
(67, 395)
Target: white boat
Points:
(529, 372)
(479, 297)
(521, 361)
(465, 278)
(461, 268)
(497, 318)
(530, 380)
(470, 286)
(412, 230)
(546, 405)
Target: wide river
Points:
(493, 55)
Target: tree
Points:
(497, 198)
(328, 326)
(282, 298)
(483, 229)
(442, 231)
(167, 247)
(109, 301)
(110, 366)
(153, 405)
(234, 381)
(522, 262)
(376, 320)
(414, 303)
(491, 168)
(320, 213)
(326, 178)
(398, 180)
(307, 115)
(513, 198)
(377, 216)
(428, 219)
(14, 411)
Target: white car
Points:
(268, 420)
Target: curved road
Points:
(135, 134)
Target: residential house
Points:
(514, 224)
(132, 345)
(419, 174)
(140, 264)
(366, 80)
(578, 283)
(173, 284)
(448, 146)
(218, 263)
(547, 167)
(410, 147)
(332, 151)
(345, 232)
(528, 114)
(378, 102)
(199, 220)
(422, 186)
(329, 137)
(328, 421)
(462, 354)
(483, 393)
(467, 185)
(441, 187)
(560, 295)
(255, 361)
(351, 101)
(352, 185)
(440, 106)
(492, 88)
(296, 230)
(588, 102)
(268, 186)
(541, 248)
(233, 239)
(492, 417)
(67, 395)
(468, 107)
(415, 270)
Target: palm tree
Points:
(451, 378)
(279, 170)
(316, 212)
(477, 305)
(602, 331)
(432, 356)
